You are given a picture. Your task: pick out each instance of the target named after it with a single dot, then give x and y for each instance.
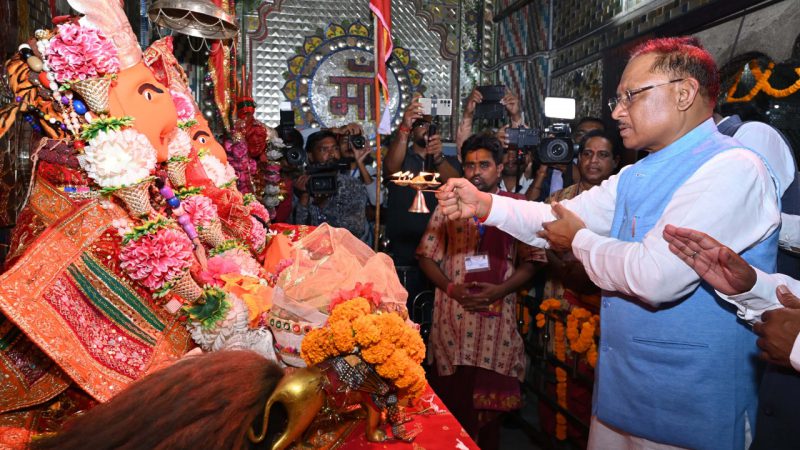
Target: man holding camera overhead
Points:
(675, 369)
(411, 145)
(326, 192)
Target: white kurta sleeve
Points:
(523, 219)
(790, 231)
(731, 197)
(762, 296)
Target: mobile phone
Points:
(436, 106)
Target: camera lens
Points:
(556, 149)
(295, 156)
(358, 141)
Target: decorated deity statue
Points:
(109, 259)
(135, 246)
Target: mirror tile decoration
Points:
(427, 28)
(585, 85)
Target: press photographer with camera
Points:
(509, 101)
(407, 152)
(325, 192)
(356, 151)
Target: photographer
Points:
(509, 100)
(344, 207)
(355, 149)
(403, 228)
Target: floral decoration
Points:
(187, 124)
(179, 146)
(77, 53)
(582, 328)
(118, 158)
(200, 209)
(183, 105)
(360, 290)
(256, 208)
(157, 257)
(258, 234)
(210, 309)
(221, 174)
(254, 292)
(232, 260)
(383, 339)
(107, 124)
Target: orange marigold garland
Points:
(583, 341)
(383, 339)
(762, 84)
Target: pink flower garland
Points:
(360, 290)
(77, 53)
(183, 105)
(157, 258)
(258, 210)
(258, 234)
(200, 209)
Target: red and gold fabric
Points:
(69, 313)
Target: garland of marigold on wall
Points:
(762, 84)
(581, 329)
(583, 341)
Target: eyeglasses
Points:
(626, 99)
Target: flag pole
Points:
(379, 162)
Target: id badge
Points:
(476, 263)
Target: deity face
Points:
(136, 93)
(203, 138)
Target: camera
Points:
(322, 177)
(292, 139)
(358, 141)
(555, 147)
(490, 107)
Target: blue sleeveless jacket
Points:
(683, 373)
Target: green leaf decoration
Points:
(225, 246)
(230, 183)
(178, 159)
(210, 309)
(111, 189)
(184, 192)
(248, 198)
(186, 124)
(92, 130)
(149, 227)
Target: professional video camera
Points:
(553, 145)
(322, 177)
(294, 152)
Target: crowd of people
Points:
(604, 238)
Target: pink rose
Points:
(183, 104)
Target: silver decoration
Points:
(198, 18)
(285, 24)
(585, 85)
(325, 97)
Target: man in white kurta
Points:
(660, 107)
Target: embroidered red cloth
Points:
(440, 430)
